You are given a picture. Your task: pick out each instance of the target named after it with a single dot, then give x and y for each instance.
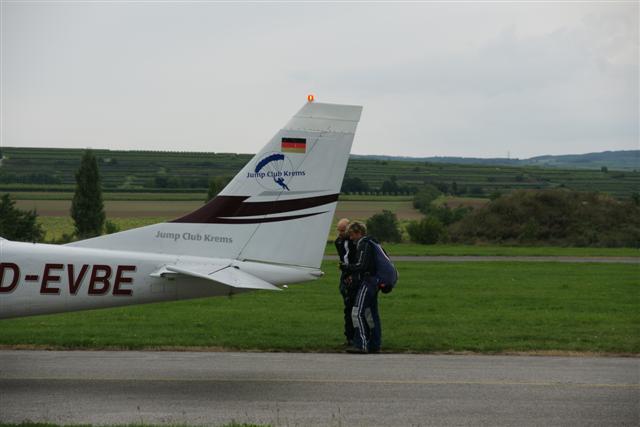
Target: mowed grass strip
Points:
(55, 226)
(479, 307)
(414, 249)
(353, 209)
(116, 208)
(107, 196)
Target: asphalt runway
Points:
(307, 389)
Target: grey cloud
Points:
(447, 79)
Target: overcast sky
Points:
(435, 79)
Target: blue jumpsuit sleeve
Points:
(365, 262)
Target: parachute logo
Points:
(274, 172)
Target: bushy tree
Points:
(216, 185)
(443, 187)
(384, 227)
(427, 231)
(446, 215)
(476, 191)
(165, 181)
(389, 186)
(354, 185)
(425, 196)
(552, 217)
(111, 227)
(16, 224)
(495, 195)
(87, 208)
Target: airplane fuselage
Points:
(267, 227)
(41, 278)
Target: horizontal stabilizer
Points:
(225, 275)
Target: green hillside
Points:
(615, 160)
(629, 160)
(49, 169)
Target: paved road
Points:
(607, 260)
(317, 389)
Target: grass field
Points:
(413, 249)
(126, 214)
(354, 209)
(116, 208)
(480, 307)
(56, 226)
(108, 196)
(362, 210)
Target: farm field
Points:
(437, 307)
(44, 169)
(158, 196)
(361, 210)
(55, 219)
(108, 196)
(116, 208)
(55, 226)
(354, 209)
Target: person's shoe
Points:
(356, 350)
(374, 351)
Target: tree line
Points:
(148, 171)
(87, 209)
(549, 217)
(556, 217)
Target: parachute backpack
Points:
(385, 270)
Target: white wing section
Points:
(226, 275)
(235, 278)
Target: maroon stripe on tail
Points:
(261, 220)
(231, 209)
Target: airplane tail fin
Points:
(277, 209)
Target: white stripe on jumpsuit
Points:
(355, 313)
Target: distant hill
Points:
(53, 169)
(614, 160)
(617, 160)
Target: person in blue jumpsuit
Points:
(347, 253)
(365, 315)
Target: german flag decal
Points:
(294, 145)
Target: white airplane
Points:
(267, 228)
